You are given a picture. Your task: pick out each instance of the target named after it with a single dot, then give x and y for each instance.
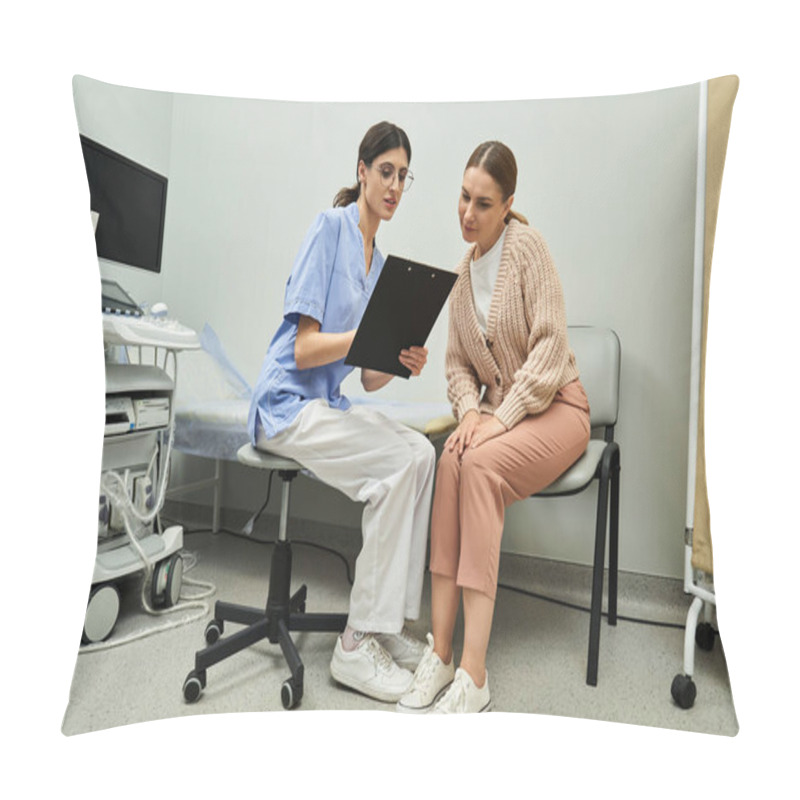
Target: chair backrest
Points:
(597, 352)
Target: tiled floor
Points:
(537, 659)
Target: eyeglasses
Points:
(388, 173)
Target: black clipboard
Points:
(401, 312)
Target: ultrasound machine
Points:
(140, 374)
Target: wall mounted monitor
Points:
(131, 201)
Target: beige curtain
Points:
(721, 94)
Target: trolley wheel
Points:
(193, 686)
(683, 691)
(101, 613)
(290, 694)
(167, 577)
(704, 636)
(214, 630)
(172, 593)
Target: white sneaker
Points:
(464, 697)
(431, 680)
(405, 649)
(369, 669)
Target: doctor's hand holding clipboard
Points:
(399, 317)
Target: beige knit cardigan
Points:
(524, 358)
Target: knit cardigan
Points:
(524, 358)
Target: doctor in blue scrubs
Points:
(298, 412)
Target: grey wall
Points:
(610, 182)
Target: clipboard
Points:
(401, 312)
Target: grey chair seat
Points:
(253, 457)
(580, 474)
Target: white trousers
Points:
(389, 467)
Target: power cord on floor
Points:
(507, 587)
(248, 526)
(547, 599)
(247, 531)
(248, 537)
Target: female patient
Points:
(523, 419)
(298, 412)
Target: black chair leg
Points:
(596, 612)
(294, 686)
(613, 544)
(284, 613)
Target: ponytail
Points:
(347, 195)
(378, 139)
(517, 216)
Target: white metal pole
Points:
(697, 301)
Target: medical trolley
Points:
(141, 370)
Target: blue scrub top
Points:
(329, 283)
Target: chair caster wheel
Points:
(214, 630)
(193, 686)
(704, 636)
(683, 691)
(290, 694)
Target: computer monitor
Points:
(130, 201)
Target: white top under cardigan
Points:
(483, 274)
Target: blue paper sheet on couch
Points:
(212, 399)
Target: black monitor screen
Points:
(131, 201)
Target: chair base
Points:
(283, 614)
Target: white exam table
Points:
(212, 403)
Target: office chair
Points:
(597, 352)
(284, 612)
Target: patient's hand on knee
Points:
(460, 439)
(488, 428)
